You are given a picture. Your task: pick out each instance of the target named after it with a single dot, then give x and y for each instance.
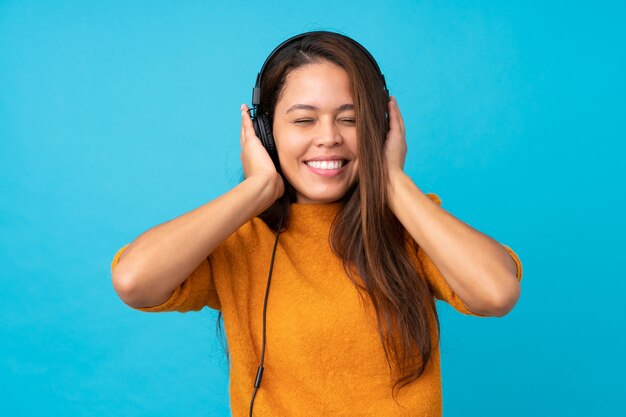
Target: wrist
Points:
(268, 187)
(397, 180)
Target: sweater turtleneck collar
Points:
(312, 218)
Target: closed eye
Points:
(349, 121)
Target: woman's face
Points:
(315, 132)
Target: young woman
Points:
(362, 254)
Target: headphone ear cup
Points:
(263, 129)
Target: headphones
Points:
(261, 121)
(263, 129)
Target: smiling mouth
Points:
(334, 164)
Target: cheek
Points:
(289, 147)
(355, 169)
(353, 142)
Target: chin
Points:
(319, 198)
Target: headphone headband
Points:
(256, 90)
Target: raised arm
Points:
(161, 258)
(477, 268)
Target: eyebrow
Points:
(309, 107)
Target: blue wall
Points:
(118, 116)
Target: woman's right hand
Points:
(255, 159)
(162, 258)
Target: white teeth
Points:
(325, 164)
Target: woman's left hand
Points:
(395, 145)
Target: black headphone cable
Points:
(259, 373)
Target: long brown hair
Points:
(371, 241)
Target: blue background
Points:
(118, 116)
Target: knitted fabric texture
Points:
(323, 352)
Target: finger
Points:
(242, 133)
(248, 126)
(400, 118)
(247, 120)
(394, 123)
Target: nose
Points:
(328, 133)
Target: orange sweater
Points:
(323, 354)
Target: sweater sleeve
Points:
(195, 292)
(438, 284)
